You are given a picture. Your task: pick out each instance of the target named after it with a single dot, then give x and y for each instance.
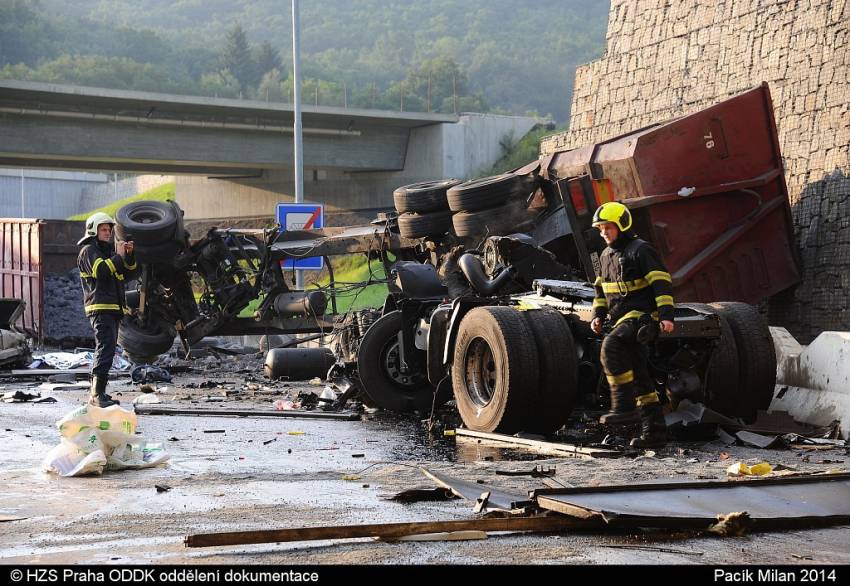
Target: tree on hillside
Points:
(237, 59)
(222, 84)
(268, 58)
(271, 87)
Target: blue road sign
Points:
(301, 216)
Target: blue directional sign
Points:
(301, 216)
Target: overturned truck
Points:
(490, 302)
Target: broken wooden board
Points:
(392, 530)
(543, 447)
(818, 499)
(148, 410)
(498, 500)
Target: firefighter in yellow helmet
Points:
(633, 291)
(104, 268)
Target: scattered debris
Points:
(760, 441)
(358, 455)
(148, 373)
(553, 448)
(267, 442)
(19, 397)
(772, 503)
(62, 378)
(496, 500)
(536, 472)
(95, 439)
(417, 495)
(146, 399)
(46, 400)
(481, 502)
(732, 524)
(741, 469)
(162, 487)
(214, 431)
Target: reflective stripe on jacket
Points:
(103, 276)
(633, 281)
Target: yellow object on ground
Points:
(741, 469)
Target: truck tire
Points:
(495, 370)
(142, 346)
(147, 222)
(488, 192)
(428, 196)
(722, 384)
(378, 366)
(425, 225)
(558, 386)
(161, 253)
(756, 357)
(491, 222)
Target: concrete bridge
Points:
(234, 157)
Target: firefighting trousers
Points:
(106, 339)
(624, 361)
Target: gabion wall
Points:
(666, 58)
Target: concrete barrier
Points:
(813, 382)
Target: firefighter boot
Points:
(623, 411)
(98, 396)
(653, 430)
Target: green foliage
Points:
(237, 59)
(355, 269)
(508, 56)
(164, 192)
(517, 153)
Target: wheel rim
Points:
(480, 372)
(391, 361)
(146, 215)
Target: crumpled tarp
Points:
(69, 360)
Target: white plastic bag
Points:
(95, 439)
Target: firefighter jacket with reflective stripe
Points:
(633, 282)
(103, 274)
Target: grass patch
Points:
(162, 193)
(354, 269)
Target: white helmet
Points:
(93, 223)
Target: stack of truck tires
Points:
(424, 209)
(489, 206)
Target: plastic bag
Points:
(95, 439)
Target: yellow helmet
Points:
(614, 212)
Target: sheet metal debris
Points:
(772, 502)
(497, 499)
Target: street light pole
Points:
(299, 155)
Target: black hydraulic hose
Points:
(473, 270)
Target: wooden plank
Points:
(150, 410)
(553, 448)
(391, 530)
